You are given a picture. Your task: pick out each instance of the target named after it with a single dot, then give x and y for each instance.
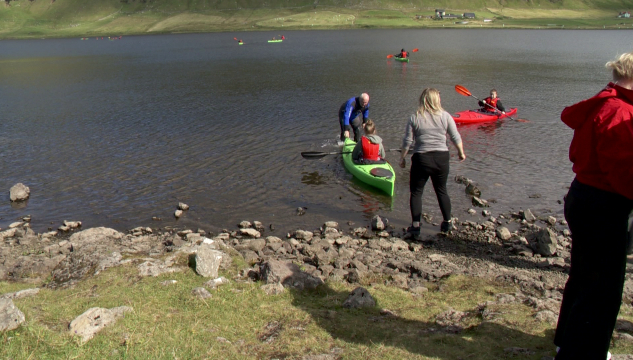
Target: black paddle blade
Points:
(320, 154)
(316, 154)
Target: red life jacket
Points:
(493, 102)
(370, 150)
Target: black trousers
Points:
(598, 221)
(355, 124)
(433, 164)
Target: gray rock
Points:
(155, 268)
(273, 289)
(471, 189)
(551, 220)
(450, 318)
(183, 206)
(252, 244)
(332, 224)
(20, 294)
(479, 202)
(208, 261)
(359, 298)
(177, 213)
(546, 316)
(528, 216)
(250, 232)
(94, 320)
(303, 235)
(288, 274)
(245, 224)
(214, 283)
(377, 223)
(19, 192)
(10, 316)
(201, 293)
(503, 233)
(546, 242)
(331, 233)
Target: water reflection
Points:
(313, 178)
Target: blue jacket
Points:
(351, 109)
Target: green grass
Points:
(79, 18)
(168, 322)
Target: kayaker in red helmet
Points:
(403, 54)
(283, 37)
(369, 149)
(492, 103)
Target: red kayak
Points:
(478, 116)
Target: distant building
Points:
(439, 13)
(624, 14)
(468, 15)
(451, 16)
(487, 20)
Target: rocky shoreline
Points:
(530, 252)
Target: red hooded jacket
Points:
(602, 146)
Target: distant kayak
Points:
(478, 116)
(402, 59)
(274, 41)
(240, 43)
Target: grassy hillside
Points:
(70, 18)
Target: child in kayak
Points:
(492, 103)
(369, 149)
(403, 54)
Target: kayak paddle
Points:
(391, 55)
(463, 91)
(319, 154)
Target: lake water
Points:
(113, 133)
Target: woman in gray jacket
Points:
(428, 128)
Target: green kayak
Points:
(402, 59)
(275, 40)
(380, 176)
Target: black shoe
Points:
(446, 226)
(413, 230)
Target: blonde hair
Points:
(622, 67)
(370, 128)
(430, 101)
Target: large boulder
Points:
(288, 274)
(19, 192)
(94, 320)
(208, 261)
(10, 316)
(545, 242)
(359, 298)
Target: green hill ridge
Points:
(86, 18)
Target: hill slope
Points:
(68, 18)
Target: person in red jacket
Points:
(597, 208)
(492, 103)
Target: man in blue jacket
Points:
(348, 116)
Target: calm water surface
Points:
(113, 133)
